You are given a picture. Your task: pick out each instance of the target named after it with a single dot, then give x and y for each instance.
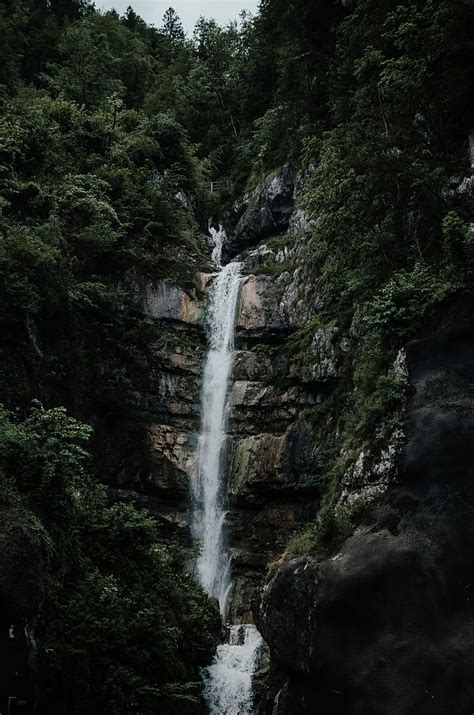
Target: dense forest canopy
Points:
(111, 132)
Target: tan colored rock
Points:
(173, 455)
(257, 460)
(166, 301)
(204, 281)
(259, 305)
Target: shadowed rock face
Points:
(22, 567)
(387, 624)
(23, 562)
(264, 212)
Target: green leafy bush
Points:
(124, 626)
(402, 303)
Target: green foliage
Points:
(101, 208)
(325, 536)
(272, 268)
(89, 184)
(458, 246)
(401, 304)
(124, 624)
(172, 27)
(390, 241)
(106, 123)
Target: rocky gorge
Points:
(236, 360)
(269, 450)
(388, 599)
(399, 575)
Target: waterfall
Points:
(209, 493)
(228, 681)
(217, 237)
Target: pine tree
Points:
(172, 26)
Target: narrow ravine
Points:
(228, 680)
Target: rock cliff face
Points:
(270, 450)
(269, 453)
(169, 394)
(385, 625)
(263, 213)
(393, 604)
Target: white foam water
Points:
(218, 237)
(228, 681)
(209, 492)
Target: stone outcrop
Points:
(323, 358)
(374, 471)
(264, 212)
(385, 625)
(165, 301)
(270, 451)
(260, 307)
(393, 605)
(270, 455)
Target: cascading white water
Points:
(228, 681)
(208, 490)
(217, 236)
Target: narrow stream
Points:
(228, 681)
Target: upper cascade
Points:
(218, 237)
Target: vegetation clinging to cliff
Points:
(389, 193)
(111, 133)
